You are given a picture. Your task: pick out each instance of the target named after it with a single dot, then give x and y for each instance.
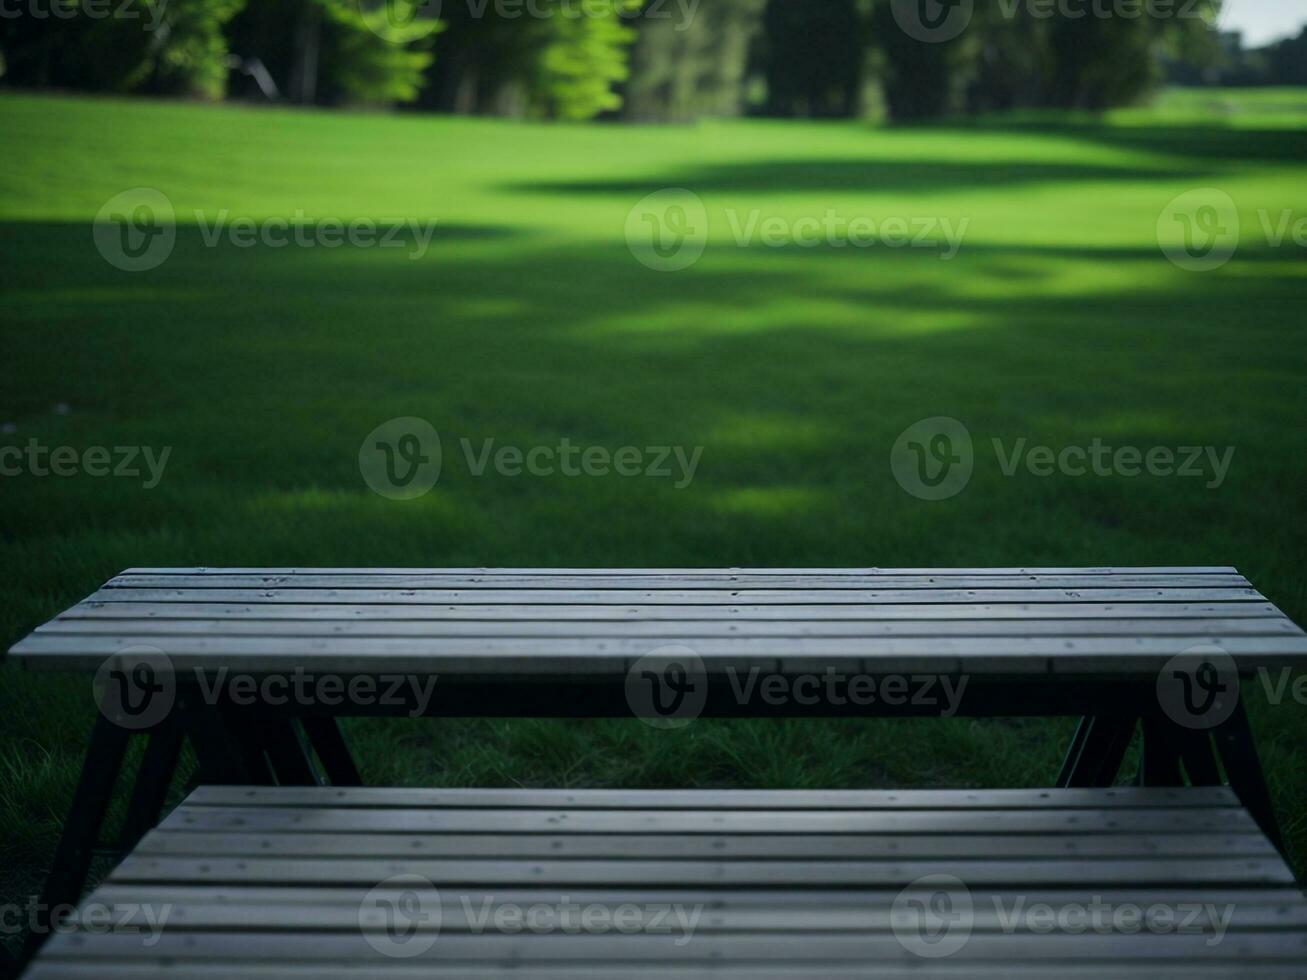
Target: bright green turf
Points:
(529, 321)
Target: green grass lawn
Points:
(529, 321)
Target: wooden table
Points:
(1099, 643)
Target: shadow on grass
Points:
(927, 176)
(1207, 143)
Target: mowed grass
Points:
(529, 321)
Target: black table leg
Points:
(1159, 763)
(82, 828)
(225, 759)
(153, 780)
(286, 751)
(1243, 771)
(329, 743)
(1097, 751)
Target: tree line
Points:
(651, 60)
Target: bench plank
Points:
(266, 882)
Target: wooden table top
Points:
(600, 622)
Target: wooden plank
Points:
(1288, 898)
(671, 572)
(612, 658)
(791, 873)
(130, 969)
(807, 583)
(418, 612)
(674, 596)
(747, 647)
(255, 626)
(300, 844)
(711, 799)
(1178, 819)
(463, 912)
(237, 948)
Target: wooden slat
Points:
(130, 969)
(796, 628)
(1287, 900)
(460, 912)
(375, 797)
(670, 572)
(520, 658)
(716, 597)
(702, 847)
(419, 612)
(239, 948)
(327, 819)
(744, 581)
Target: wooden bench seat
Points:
(323, 882)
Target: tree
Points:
(813, 57)
(162, 46)
(563, 62)
(334, 51)
(685, 67)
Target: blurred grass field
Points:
(529, 320)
